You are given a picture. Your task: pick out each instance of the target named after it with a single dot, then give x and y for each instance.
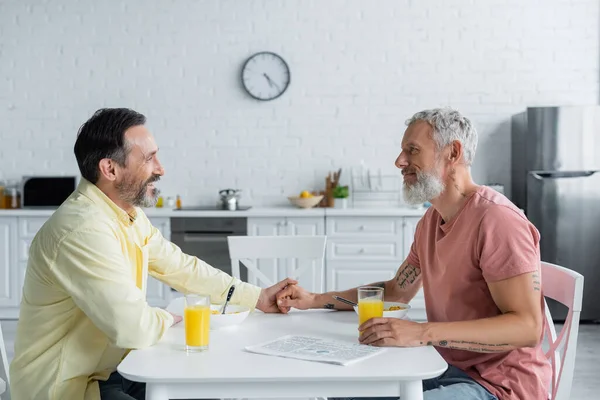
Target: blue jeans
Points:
(453, 384)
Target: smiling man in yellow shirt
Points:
(84, 304)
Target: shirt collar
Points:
(98, 197)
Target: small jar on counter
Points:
(2, 187)
(12, 196)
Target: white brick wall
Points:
(359, 69)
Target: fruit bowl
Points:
(305, 202)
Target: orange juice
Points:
(197, 325)
(368, 309)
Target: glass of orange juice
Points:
(370, 303)
(196, 317)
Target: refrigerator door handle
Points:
(539, 175)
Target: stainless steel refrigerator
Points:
(556, 180)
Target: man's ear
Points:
(456, 152)
(107, 169)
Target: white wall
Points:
(359, 69)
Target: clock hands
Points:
(271, 83)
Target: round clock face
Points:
(265, 76)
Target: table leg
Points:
(155, 391)
(411, 390)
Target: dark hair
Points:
(103, 136)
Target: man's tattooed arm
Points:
(474, 346)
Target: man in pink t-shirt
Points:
(477, 258)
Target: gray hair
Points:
(449, 125)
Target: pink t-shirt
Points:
(488, 240)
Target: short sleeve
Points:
(413, 255)
(508, 244)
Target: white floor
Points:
(586, 383)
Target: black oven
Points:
(206, 238)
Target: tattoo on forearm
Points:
(329, 306)
(408, 276)
(474, 346)
(536, 281)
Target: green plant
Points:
(340, 192)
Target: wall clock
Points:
(265, 76)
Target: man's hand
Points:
(392, 332)
(267, 301)
(176, 318)
(297, 297)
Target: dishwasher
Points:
(206, 238)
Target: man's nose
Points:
(401, 161)
(159, 168)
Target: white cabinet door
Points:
(277, 270)
(305, 226)
(312, 279)
(9, 279)
(348, 275)
(409, 226)
(266, 227)
(158, 294)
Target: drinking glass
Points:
(196, 317)
(370, 303)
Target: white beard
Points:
(427, 187)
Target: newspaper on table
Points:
(316, 349)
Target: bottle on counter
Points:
(178, 202)
(159, 200)
(2, 187)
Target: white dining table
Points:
(226, 370)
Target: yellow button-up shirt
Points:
(84, 304)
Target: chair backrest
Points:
(302, 254)
(4, 387)
(566, 287)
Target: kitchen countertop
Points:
(283, 211)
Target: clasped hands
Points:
(382, 332)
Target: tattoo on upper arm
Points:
(329, 306)
(408, 275)
(474, 346)
(536, 281)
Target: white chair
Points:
(566, 287)
(4, 388)
(249, 250)
(303, 254)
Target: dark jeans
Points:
(119, 388)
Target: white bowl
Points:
(392, 314)
(305, 202)
(234, 315)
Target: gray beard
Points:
(144, 200)
(427, 187)
(136, 196)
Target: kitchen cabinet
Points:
(277, 270)
(286, 226)
(9, 287)
(364, 250)
(158, 294)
